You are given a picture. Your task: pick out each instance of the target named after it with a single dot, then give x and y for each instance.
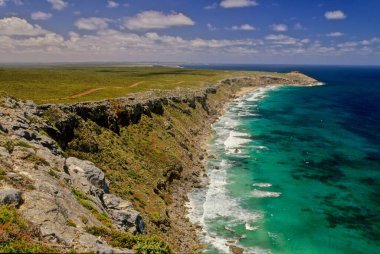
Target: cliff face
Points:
(122, 165)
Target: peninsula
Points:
(104, 162)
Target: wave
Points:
(251, 228)
(214, 203)
(236, 140)
(265, 194)
(262, 185)
(213, 208)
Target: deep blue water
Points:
(297, 168)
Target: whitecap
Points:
(262, 185)
(260, 147)
(251, 228)
(264, 194)
(236, 139)
(214, 203)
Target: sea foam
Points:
(265, 194)
(212, 205)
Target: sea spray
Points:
(213, 208)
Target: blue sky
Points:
(192, 31)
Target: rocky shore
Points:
(122, 164)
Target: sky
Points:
(191, 31)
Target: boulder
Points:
(128, 220)
(10, 196)
(123, 214)
(236, 250)
(113, 202)
(82, 171)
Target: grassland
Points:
(72, 84)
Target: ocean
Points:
(296, 169)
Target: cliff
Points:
(113, 175)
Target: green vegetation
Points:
(140, 243)
(146, 159)
(73, 84)
(86, 203)
(18, 236)
(2, 173)
(37, 160)
(53, 172)
(10, 144)
(70, 223)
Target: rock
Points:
(129, 220)
(80, 170)
(113, 202)
(122, 212)
(236, 250)
(3, 129)
(28, 135)
(5, 157)
(98, 246)
(10, 196)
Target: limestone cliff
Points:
(120, 165)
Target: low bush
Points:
(18, 236)
(139, 243)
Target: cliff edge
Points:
(113, 175)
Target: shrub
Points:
(17, 235)
(86, 203)
(140, 243)
(70, 223)
(2, 173)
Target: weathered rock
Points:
(85, 171)
(236, 250)
(3, 129)
(113, 202)
(28, 135)
(10, 196)
(98, 246)
(129, 220)
(5, 157)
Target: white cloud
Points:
(279, 27)
(211, 27)
(238, 3)
(23, 41)
(244, 27)
(157, 20)
(58, 4)
(39, 15)
(298, 26)
(112, 4)
(335, 15)
(93, 23)
(280, 39)
(4, 2)
(348, 44)
(211, 6)
(17, 26)
(335, 34)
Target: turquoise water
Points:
(297, 170)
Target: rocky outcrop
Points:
(10, 196)
(61, 196)
(89, 179)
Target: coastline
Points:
(150, 146)
(204, 178)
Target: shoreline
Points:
(205, 178)
(206, 139)
(151, 146)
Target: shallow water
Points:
(298, 168)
